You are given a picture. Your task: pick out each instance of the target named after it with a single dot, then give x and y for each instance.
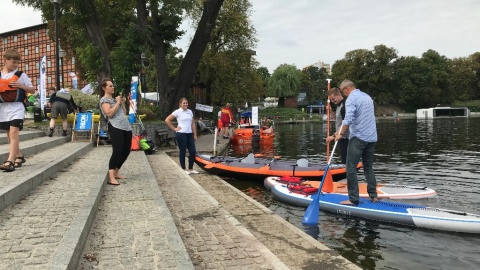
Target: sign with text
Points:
(84, 122)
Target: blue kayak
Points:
(387, 211)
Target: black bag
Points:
(103, 122)
(151, 150)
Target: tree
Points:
(227, 67)
(265, 76)
(314, 80)
(284, 83)
(158, 22)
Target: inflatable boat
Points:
(255, 168)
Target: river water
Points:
(442, 154)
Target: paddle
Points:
(310, 218)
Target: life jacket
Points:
(8, 94)
(136, 143)
(287, 179)
(302, 189)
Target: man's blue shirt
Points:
(360, 116)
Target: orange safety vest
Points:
(9, 94)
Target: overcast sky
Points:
(303, 32)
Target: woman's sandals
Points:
(19, 163)
(8, 166)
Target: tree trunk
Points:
(181, 83)
(94, 30)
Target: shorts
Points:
(219, 123)
(225, 124)
(13, 123)
(59, 108)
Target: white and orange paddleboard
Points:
(389, 191)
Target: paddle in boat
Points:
(257, 168)
(384, 191)
(386, 211)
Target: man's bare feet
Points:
(346, 202)
(119, 176)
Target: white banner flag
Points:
(204, 108)
(43, 82)
(87, 89)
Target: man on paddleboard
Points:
(360, 122)
(336, 97)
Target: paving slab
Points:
(133, 228)
(34, 231)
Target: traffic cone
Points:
(328, 183)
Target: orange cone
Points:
(328, 183)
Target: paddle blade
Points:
(310, 218)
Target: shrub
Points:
(87, 102)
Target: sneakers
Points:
(50, 134)
(190, 172)
(64, 133)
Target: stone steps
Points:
(48, 227)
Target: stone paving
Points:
(33, 229)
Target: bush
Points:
(149, 114)
(87, 102)
(473, 105)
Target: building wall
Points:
(33, 43)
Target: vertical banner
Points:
(133, 99)
(254, 115)
(73, 75)
(43, 82)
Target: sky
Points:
(304, 32)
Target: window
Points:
(73, 61)
(26, 67)
(37, 65)
(5, 40)
(25, 36)
(49, 79)
(14, 38)
(48, 47)
(49, 63)
(36, 49)
(26, 51)
(36, 34)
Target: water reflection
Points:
(442, 154)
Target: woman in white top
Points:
(185, 133)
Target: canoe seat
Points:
(302, 162)
(249, 159)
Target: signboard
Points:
(204, 108)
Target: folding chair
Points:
(82, 122)
(101, 134)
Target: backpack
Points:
(147, 146)
(8, 94)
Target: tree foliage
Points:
(227, 66)
(285, 82)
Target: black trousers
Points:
(121, 145)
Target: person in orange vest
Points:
(14, 85)
(227, 120)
